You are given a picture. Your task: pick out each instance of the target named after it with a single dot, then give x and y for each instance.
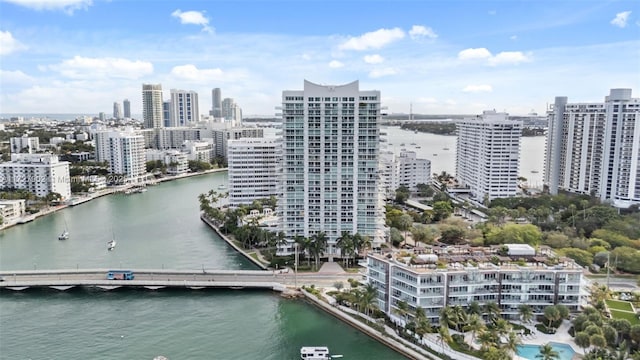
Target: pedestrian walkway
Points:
(331, 268)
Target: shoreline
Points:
(74, 201)
(234, 246)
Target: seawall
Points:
(236, 247)
(392, 343)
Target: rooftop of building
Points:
(430, 258)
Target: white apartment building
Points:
(199, 150)
(594, 148)
(177, 162)
(231, 111)
(184, 108)
(12, 209)
(488, 155)
(482, 275)
(24, 143)
(254, 169)
(40, 174)
(413, 171)
(221, 137)
(124, 151)
(330, 173)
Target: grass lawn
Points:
(619, 305)
(633, 318)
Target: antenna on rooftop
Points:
(410, 111)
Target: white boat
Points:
(316, 353)
(111, 245)
(65, 233)
(221, 187)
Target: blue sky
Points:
(443, 57)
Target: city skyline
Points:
(459, 57)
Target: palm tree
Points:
(346, 245)
(547, 353)
(552, 314)
(493, 311)
(318, 246)
(358, 243)
(447, 317)
(443, 335)
(487, 339)
(460, 316)
(474, 308)
(402, 309)
(304, 243)
(525, 312)
(368, 298)
(511, 345)
(475, 324)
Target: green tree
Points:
(583, 340)
(552, 314)
(547, 352)
(318, 246)
(404, 223)
(442, 210)
(525, 313)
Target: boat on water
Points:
(534, 171)
(221, 187)
(445, 148)
(111, 244)
(418, 147)
(64, 235)
(435, 154)
(316, 353)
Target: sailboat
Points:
(111, 244)
(65, 233)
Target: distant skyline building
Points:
(331, 145)
(166, 113)
(254, 169)
(594, 148)
(117, 110)
(231, 111)
(24, 144)
(126, 104)
(488, 155)
(184, 108)
(216, 103)
(152, 106)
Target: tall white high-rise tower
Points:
(330, 171)
(152, 106)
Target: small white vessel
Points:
(221, 187)
(111, 245)
(316, 353)
(64, 235)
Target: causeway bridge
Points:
(154, 279)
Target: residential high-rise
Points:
(593, 148)
(24, 143)
(124, 151)
(166, 113)
(231, 111)
(152, 106)
(184, 108)
(216, 103)
(330, 173)
(488, 155)
(254, 169)
(126, 104)
(40, 174)
(117, 111)
(412, 170)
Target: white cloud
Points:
(15, 77)
(68, 6)
(508, 57)
(190, 72)
(492, 12)
(91, 68)
(621, 19)
(472, 54)
(419, 31)
(334, 64)
(373, 40)
(503, 58)
(378, 73)
(478, 88)
(513, 37)
(8, 44)
(373, 59)
(193, 18)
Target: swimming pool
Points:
(565, 351)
